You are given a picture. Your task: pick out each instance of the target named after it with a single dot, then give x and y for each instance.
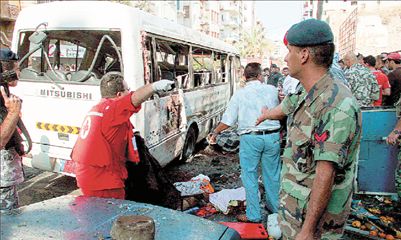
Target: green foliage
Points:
(253, 43)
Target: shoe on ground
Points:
(273, 229)
(243, 218)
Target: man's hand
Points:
(261, 118)
(211, 138)
(304, 236)
(163, 85)
(393, 137)
(12, 103)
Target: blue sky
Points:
(278, 16)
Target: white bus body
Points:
(145, 48)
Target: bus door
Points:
(59, 83)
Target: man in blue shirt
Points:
(258, 144)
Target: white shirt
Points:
(246, 105)
(290, 85)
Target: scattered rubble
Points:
(375, 217)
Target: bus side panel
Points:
(206, 106)
(165, 123)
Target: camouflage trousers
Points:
(8, 198)
(398, 177)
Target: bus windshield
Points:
(69, 56)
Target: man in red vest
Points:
(106, 139)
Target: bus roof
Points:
(100, 15)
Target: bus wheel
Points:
(189, 145)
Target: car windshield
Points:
(70, 56)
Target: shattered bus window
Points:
(70, 56)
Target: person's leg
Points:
(398, 177)
(117, 193)
(250, 153)
(271, 168)
(8, 198)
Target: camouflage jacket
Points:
(275, 79)
(363, 84)
(10, 163)
(398, 108)
(323, 125)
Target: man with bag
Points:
(106, 139)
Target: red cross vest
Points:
(91, 147)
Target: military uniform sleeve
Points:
(290, 102)
(375, 91)
(333, 135)
(350, 76)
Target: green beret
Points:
(310, 32)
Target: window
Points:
(186, 11)
(69, 55)
(219, 67)
(202, 66)
(172, 62)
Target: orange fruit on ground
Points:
(356, 224)
(373, 233)
(389, 237)
(382, 235)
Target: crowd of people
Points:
(321, 97)
(308, 190)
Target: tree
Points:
(143, 5)
(253, 44)
(125, 2)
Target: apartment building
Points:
(9, 11)
(367, 27)
(221, 19)
(225, 20)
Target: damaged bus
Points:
(67, 47)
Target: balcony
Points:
(229, 7)
(8, 12)
(230, 23)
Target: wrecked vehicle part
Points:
(378, 216)
(88, 218)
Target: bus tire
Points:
(189, 145)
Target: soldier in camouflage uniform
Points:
(10, 161)
(324, 129)
(275, 78)
(363, 83)
(395, 138)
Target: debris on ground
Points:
(206, 211)
(375, 217)
(221, 200)
(228, 141)
(197, 185)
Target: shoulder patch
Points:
(322, 137)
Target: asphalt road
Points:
(41, 185)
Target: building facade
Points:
(9, 11)
(366, 27)
(225, 20)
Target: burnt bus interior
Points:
(69, 55)
(191, 66)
